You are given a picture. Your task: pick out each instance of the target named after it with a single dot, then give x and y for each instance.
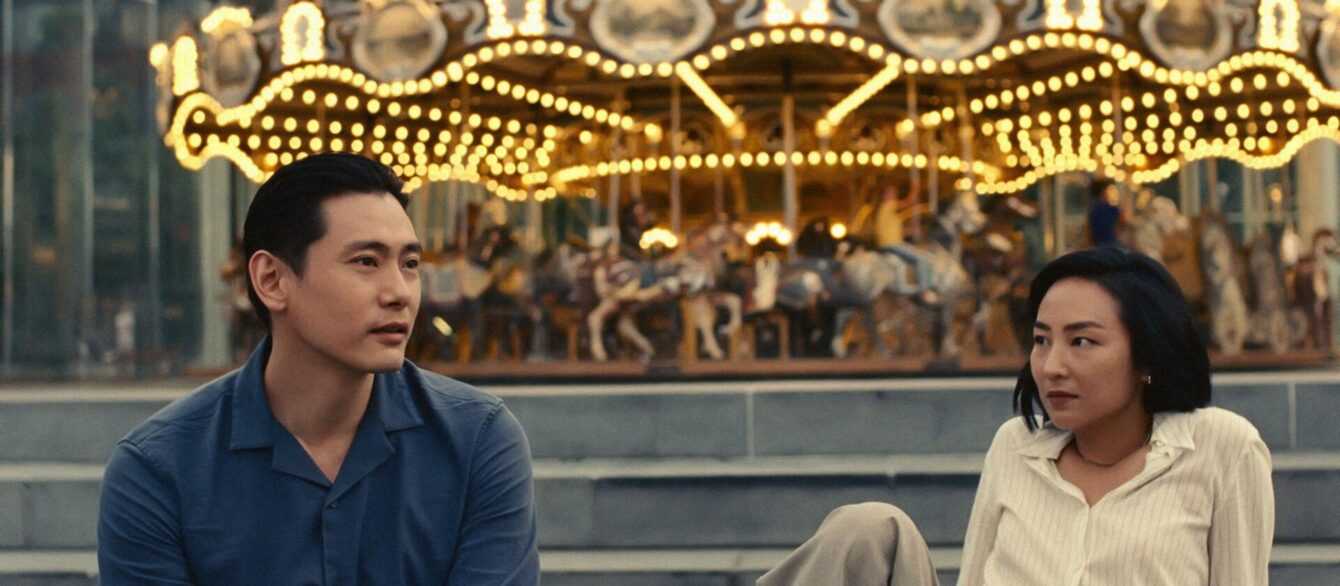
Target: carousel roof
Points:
(538, 98)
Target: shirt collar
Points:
(1171, 430)
(253, 422)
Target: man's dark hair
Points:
(1164, 340)
(285, 217)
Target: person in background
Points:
(1106, 214)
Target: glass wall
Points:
(101, 239)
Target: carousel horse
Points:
(1155, 223)
(998, 265)
(1312, 287)
(1228, 310)
(1271, 323)
(691, 274)
(618, 287)
(702, 266)
(874, 274)
(811, 285)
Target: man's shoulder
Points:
(184, 418)
(442, 392)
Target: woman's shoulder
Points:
(1013, 433)
(1219, 429)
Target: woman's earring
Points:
(1148, 379)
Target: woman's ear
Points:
(267, 273)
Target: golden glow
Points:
(185, 69)
(226, 15)
(1090, 17)
(302, 44)
(769, 230)
(861, 94)
(658, 236)
(838, 230)
(1278, 33)
(816, 12)
(533, 24)
(709, 97)
(778, 13)
(1050, 142)
(498, 26)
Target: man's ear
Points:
(269, 278)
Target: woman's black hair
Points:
(1164, 340)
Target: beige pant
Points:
(869, 544)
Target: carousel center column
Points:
(1318, 205)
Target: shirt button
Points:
(335, 505)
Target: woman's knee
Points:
(865, 521)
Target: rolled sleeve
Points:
(139, 542)
(1243, 526)
(499, 545)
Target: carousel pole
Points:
(910, 141)
(789, 196)
(719, 194)
(7, 186)
(635, 178)
(1119, 140)
(1189, 188)
(965, 135)
(676, 205)
(463, 206)
(933, 174)
(612, 204)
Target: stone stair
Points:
(681, 484)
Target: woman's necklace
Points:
(1148, 435)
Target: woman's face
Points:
(1081, 358)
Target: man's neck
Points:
(313, 397)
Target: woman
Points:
(1116, 471)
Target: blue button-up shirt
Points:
(436, 489)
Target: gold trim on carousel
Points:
(769, 158)
(1200, 149)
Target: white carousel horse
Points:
(1155, 224)
(692, 274)
(1228, 310)
(702, 267)
(876, 273)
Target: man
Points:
(328, 458)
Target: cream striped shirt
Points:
(1201, 512)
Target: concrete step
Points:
(1291, 565)
(673, 503)
(709, 420)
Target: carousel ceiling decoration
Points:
(536, 98)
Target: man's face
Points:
(359, 292)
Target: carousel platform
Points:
(691, 483)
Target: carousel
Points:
(738, 187)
